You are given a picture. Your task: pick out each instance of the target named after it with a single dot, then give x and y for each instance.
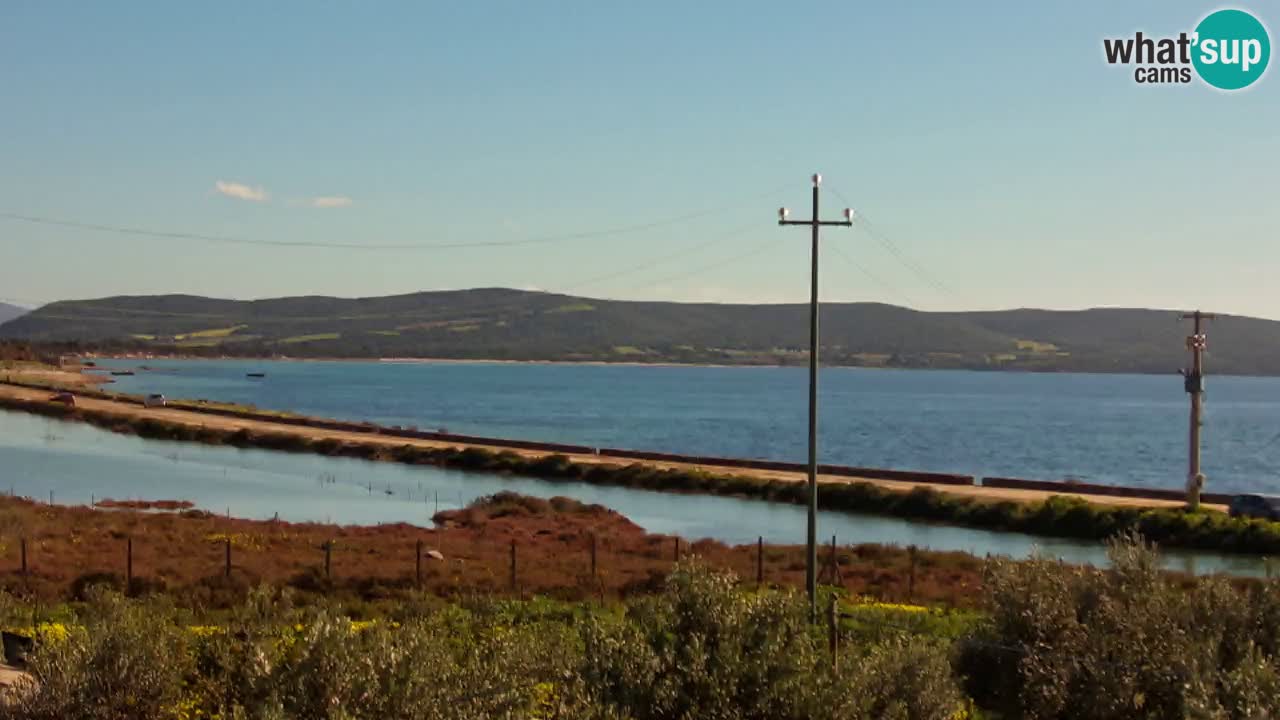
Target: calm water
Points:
(79, 462)
(1118, 429)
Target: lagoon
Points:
(79, 463)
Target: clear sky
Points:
(989, 143)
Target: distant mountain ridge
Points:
(503, 324)
(9, 312)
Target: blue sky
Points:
(994, 148)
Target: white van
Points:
(154, 400)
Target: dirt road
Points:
(198, 419)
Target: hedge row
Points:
(1057, 516)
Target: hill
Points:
(519, 325)
(9, 312)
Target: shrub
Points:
(1076, 642)
(448, 664)
(84, 585)
(705, 649)
(127, 660)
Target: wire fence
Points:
(60, 560)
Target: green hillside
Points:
(519, 325)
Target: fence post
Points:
(328, 552)
(833, 633)
(760, 561)
(593, 556)
(128, 563)
(227, 567)
(834, 565)
(911, 574)
(513, 565)
(677, 548)
(418, 565)
(24, 558)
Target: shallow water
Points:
(79, 463)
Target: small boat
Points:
(121, 372)
(255, 375)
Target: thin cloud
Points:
(330, 201)
(240, 191)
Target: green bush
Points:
(125, 660)
(704, 649)
(1076, 642)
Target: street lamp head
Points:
(848, 214)
(817, 179)
(783, 213)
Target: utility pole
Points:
(811, 557)
(1193, 382)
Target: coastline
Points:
(1048, 512)
(449, 361)
(608, 363)
(634, 363)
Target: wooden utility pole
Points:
(1193, 382)
(811, 559)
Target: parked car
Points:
(65, 398)
(154, 400)
(1255, 505)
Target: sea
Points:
(1114, 429)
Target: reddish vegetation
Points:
(184, 553)
(146, 504)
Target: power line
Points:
(751, 251)
(916, 268)
(107, 310)
(902, 257)
(873, 277)
(715, 240)
(225, 239)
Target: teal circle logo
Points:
(1232, 49)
